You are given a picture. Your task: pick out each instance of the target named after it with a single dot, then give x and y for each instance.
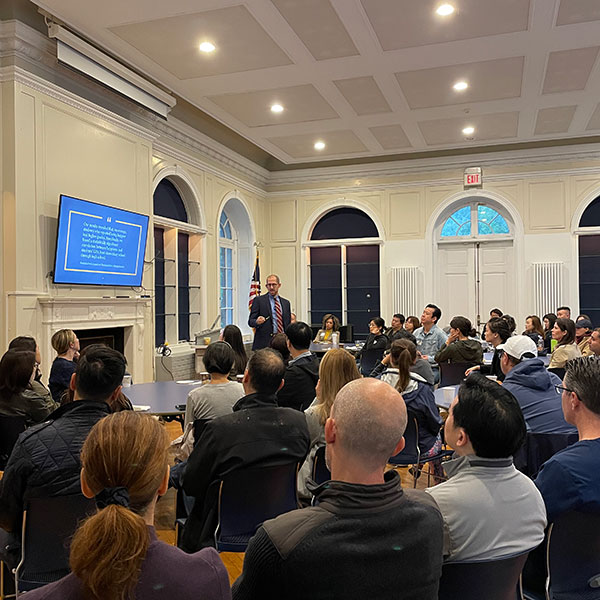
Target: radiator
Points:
(405, 290)
(547, 287)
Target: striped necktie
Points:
(278, 315)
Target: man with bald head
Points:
(366, 537)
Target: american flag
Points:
(254, 283)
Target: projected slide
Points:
(99, 245)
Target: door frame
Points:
(444, 209)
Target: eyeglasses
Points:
(560, 389)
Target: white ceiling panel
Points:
(369, 77)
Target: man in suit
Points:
(270, 314)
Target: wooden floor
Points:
(165, 513)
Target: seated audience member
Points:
(26, 342)
(417, 393)
(491, 510)
(302, 371)
(534, 330)
(497, 332)
(258, 431)
(330, 325)
(420, 366)
(233, 336)
(595, 342)
(566, 348)
(563, 312)
(549, 320)
(459, 348)
(367, 538)
(396, 331)
(583, 332)
(583, 316)
(430, 338)
(495, 313)
(512, 324)
(570, 480)
(279, 342)
(216, 397)
(115, 553)
(66, 344)
(412, 324)
(372, 352)
(20, 394)
(337, 368)
(45, 459)
(534, 387)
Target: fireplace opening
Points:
(113, 337)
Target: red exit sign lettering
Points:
(473, 177)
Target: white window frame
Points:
(228, 244)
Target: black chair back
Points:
(10, 429)
(558, 371)
(574, 557)
(453, 373)
(320, 472)
(48, 526)
(538, 448)
(411, 454)
(492, 580)
(250, 496)
(347, 333)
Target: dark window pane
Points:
(183, 288)
(589, 269)
(591, 215)
(589, 245)
(362, 254)
(159, 290)
(168, 202)
(344, 223)
(330, 255)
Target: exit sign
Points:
(473, 178)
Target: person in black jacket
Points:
(256, 432)
(302, 372)
(497, 331)
(376, 344)
(45, 460)
(367, 537)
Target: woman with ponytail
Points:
(417, 393)
(115, 553)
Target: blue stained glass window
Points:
(458, 223)
(490, 221)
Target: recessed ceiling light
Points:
(469, 130)
(319, 145)
(276, 108)
(460, 86)
(444, 10)
(207, 47)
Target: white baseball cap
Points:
(518, 346)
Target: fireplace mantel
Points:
(133, 314)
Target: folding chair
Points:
(411, 454)
(250, 496)
(48, 526)
(489, 580)
(320, 472)
(10, 429)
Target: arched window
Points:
(176, 267)
(589, 260)
(344, 269)
(227, 264)
(489, 222)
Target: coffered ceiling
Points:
(367, 78)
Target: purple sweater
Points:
(167, 573)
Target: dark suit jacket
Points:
(257, 431)
(261, 307)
